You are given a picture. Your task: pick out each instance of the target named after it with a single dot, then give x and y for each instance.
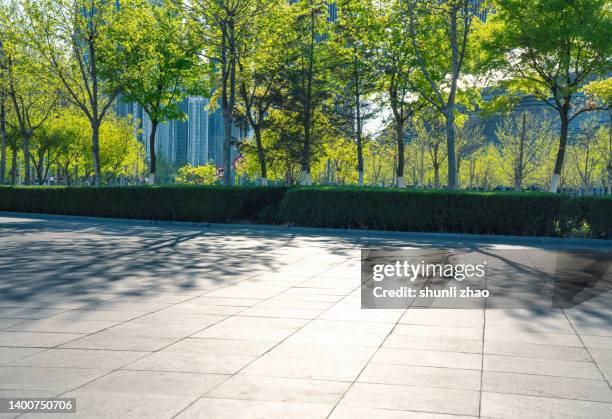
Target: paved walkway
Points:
(190, 322)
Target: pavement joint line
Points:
(145, 355)
(482, 354)
(368, 362)
(587, 350)
(307, 322)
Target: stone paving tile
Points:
(312, 368)
(606, 369)
(562, 339)
(80, 358)
(126, 306)
(539, 385)
(521, 349)
(10, 355)
(223, 301)
(192, 361)
(280, 389)
(223, 347)
(252, 409)
(539, 366)
(27, 313)
(252, 328)
(165, 329)
(439, 343)
(409, 375)
(339, 352)
(8, 323)
(35, 340)
(597, 341)
(342, 333)
(128, 406)
(195, 310)
(422, 399)
(428, 358)
(307, 294)
(601, 354)
(496, 405)
(353, 312)
(343, 411)
(63, 326)
(441, 317)
(305, 305)
(439, 331)
(108, 339)
(292, 313)
(96, 315)
(158, 383)
(52, 379)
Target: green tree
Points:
(32, 95)
(306, 74)
(601, 91)
(440, 34)
(73, 37)
(550, 49)
(156, 62)
(259, 64)
(356, 31)
(589, 154)
(225, 25)
(524, 140)
(396, 64)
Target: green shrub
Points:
(507, 213)
(525, 214)
(180, 203)
(596, 214)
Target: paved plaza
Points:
(189, 321)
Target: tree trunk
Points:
(305, 178)
(14, 166)
(399, 138)
(563, 113)
(358, 122)
(518, 175)
(450, 140)
(261, 156)
(4, 141)
(27, 176)
(152, 156)
(40, 167)
(437, 175)
(359, 152)
(610, 157)
(227, 143)
(95, 149)
(422, 167)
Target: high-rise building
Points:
(196, 140)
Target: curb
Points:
(499, 239)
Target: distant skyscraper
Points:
(197, 140)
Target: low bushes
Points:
(176, 203)
(532, 214)
(523, 214)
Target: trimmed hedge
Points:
(174, 203)
(508, 213)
